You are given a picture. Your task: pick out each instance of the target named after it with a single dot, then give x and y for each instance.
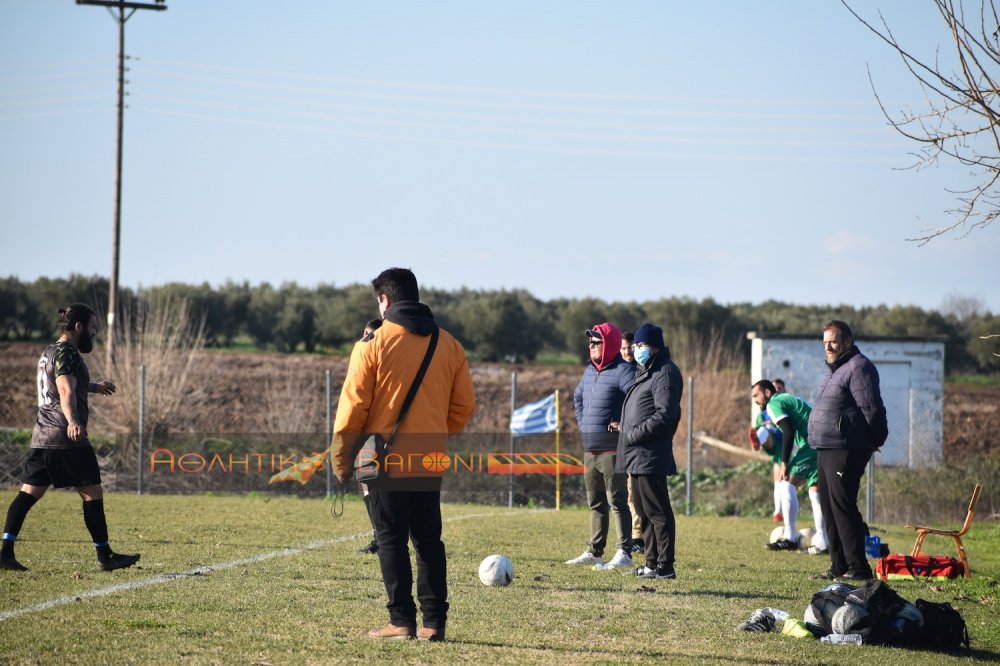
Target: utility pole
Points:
(121, 18)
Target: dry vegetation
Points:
(243, 392)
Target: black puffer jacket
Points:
(849, 413)
(650, 416)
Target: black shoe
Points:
(761, 620)
(638, 545)
(664, 572)
(855, 576)
(117, 561)
(370, 549)
(783, 544)
(829, 574)
(10, 564)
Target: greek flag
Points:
(535, 417)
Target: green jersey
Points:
(783, 406)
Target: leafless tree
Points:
(961, 119)
(961, 307)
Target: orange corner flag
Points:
(302, 471)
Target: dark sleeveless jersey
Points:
(59, 358)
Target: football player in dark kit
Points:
(61, 455)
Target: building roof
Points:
(767, 335)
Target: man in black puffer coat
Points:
(846, 426)
(650, 416)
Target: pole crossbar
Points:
(159, 6)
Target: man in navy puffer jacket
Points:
(846, 426)
(598, 400)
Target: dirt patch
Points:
(244, 392)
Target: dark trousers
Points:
(840, 472)
(399, 516)
(656, 518)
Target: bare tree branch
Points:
(961, 121)
(987, 337)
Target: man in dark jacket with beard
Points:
(650, 416)
(846, 426)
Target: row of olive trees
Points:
(493, 325)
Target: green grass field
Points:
(277, 580)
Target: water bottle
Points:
(779, 615)
(873, 546)
(842, 639)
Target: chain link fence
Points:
(243, 417)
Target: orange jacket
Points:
(379, 376)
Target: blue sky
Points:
(621, 150)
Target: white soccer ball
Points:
(806, 538)
(852, 619)
(777, 533)
(810, 617)
(496, 570)
(822, 616)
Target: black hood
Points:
(413, 316)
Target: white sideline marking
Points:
(208, 568)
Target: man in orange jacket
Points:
(406, 499)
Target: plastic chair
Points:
(922, 532)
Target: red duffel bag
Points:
(896, 566)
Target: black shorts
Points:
(61, 468)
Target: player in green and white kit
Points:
(798, 461)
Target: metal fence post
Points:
(329, 431)
(142, 425)
(689, 507)
(513, 407)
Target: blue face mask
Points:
(642, 355)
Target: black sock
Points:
(15, 519)
(93, 517)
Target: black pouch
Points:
(368, 461)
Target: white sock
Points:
(777, 496)
(819, 540)
(789, 509)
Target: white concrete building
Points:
(911, 372)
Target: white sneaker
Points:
(586, 558)
(621, 560)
